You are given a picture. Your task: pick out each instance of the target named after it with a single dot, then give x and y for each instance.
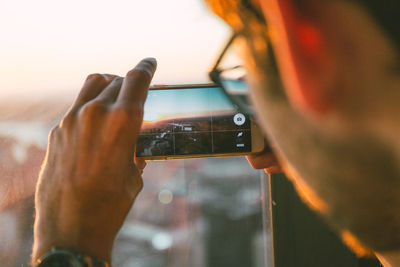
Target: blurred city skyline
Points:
(49, 47)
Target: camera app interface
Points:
(192, 121)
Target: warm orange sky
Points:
(49, 46)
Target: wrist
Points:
(78, 240)
(41, 249)
(63, 257)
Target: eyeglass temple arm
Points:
(222, 54)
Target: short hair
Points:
(385, 12)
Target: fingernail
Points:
(152, 60)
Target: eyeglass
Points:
(232, 80)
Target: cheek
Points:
(268, 101)
(267, 115)
(258, 99)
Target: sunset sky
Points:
(48, 47)
(176, 103)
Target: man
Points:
(333, 125)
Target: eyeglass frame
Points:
(215, 76)
(215, 73)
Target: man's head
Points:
(333, 111)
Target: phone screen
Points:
(192, 121)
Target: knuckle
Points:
(54, 133)
(256, 165)
(140, 72)
(117, 82)
(139, 183)
(95, 77)
(118, 79)
(67, 122)
(93, 110)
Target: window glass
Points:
(197, 212)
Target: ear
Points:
(305, 59)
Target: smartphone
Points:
(196, 120)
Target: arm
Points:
(90, 176)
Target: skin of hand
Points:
(266, 160)
(90, 176)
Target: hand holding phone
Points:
(90, 174)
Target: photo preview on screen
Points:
(192, 121)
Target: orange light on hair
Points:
(227, 10)
(350, 240)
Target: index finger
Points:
(262, 161)
(137, 82)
